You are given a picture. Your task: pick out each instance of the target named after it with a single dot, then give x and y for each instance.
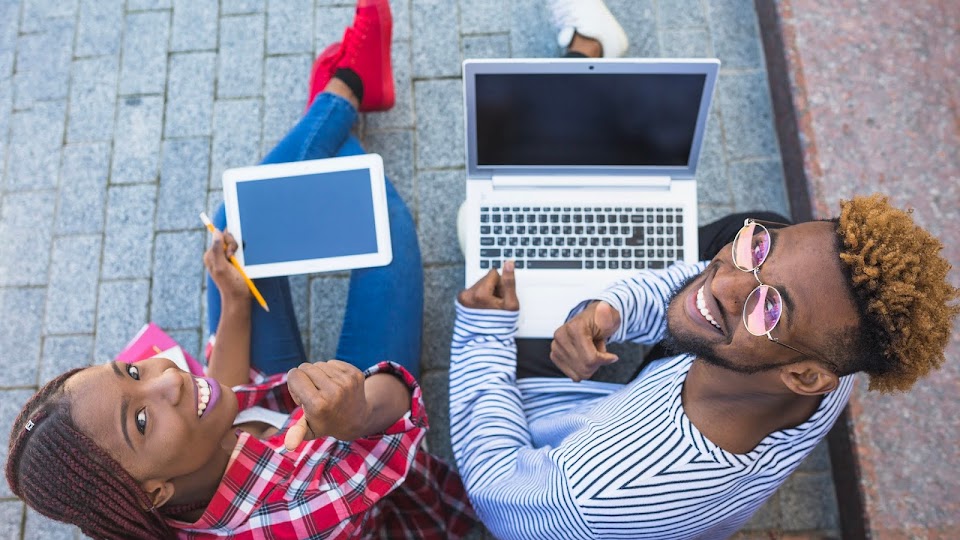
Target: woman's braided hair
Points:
(65, 475)
(899, 283)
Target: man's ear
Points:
(809, 378)
(160, 492)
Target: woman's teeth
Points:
(204, 396)
(702, 306)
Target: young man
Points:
(767, 335)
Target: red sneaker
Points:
(366, 50)
(323, 68)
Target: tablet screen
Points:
(311, 216)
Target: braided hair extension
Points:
(66, 476)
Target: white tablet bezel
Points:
(371, 162)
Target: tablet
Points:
(309, 216)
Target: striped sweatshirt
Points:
(558, 460)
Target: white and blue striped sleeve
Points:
(519, 492)
(642, 301)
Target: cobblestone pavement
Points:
(119, 116)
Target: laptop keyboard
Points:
(581, 238)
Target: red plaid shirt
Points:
(381, 486)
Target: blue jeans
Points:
(384, 304)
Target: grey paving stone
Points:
(144, 66)
(83, 190)
(401, 115)
(99, 28)
(396, 148)
(136, 146)
(93, 97)
(532, 35)
(436, 396)
(758, 185)
(329, 24)
(328, 302)
(43, 63)
(710, 213)
(638, 18)
(177, 278)
(439, 105)
(491, 46)
(300, 293)
(766, 517)
(682, 14)
(190, 95)
(686, 44)
(183, 183)
(484, 16)
(818, 460)
(72, 290)
(289, 28)
(441, 285)
(141, 5)
(284, 93)
(121, 312)
(808, 502)
(435, 36)
(63, 353)
(9, 23)
(241, 48)
(401, 19)
(36, 13)
(34, 150)
(20, 335)
(26, 225)
(189, 340)
(744, 100)
(128, 238)
(39, 526)
(194, 25)
(440, 194)
(234, 7)
(736, 33)
(236, 136)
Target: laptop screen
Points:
(597, 119)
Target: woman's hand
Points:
(224, 274)
(334, 402)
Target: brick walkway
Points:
(118, 118)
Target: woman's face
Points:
(151, 417)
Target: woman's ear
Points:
(809, 378)
(160, 492)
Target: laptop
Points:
(582, 171)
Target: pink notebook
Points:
(152, 341)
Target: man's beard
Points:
(678, 343)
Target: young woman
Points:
(323, 450)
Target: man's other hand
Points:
(579, 347)
(493, 291)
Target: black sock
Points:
(352, 80)
(574, 54)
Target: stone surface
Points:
(128, 237)
(93, 96)
(177, 278)
(99, 27)
(121, 312)
(82, 193)
(396, 148)
(190, 95)
(72, 289)
(241, 40)
(34, 145)
(439, 106)
(285, 34)
(137, 140)
(20, 335)
(236, 136)
(183, 179)
(144, 61)
(63, 353)
(440, 194)
(194, 25)
(435, 22)
(26, 225)
(285, 93)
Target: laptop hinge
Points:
(585, 182)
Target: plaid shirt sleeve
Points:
(326, 488)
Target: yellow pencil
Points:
(253, 288)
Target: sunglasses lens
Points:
(762, 311)
(751, 246)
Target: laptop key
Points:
(487, 241)
(484, 264)
(535, 264)
(656, 265)
(519, 265)
(489, 252)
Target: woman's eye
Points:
(141, 421)
(133, 371)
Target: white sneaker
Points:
(589, 18)
(462, 229)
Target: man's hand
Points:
(333, 400)
(579, 347)
(493, 291)
(217, 260)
